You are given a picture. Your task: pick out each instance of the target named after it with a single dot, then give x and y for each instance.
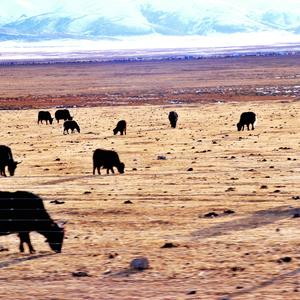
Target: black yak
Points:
(121, 126)
(173, 117)
(246, 118)
(63, 114)
(45, 116)
(22, 212)
(71, 125)
(6, 159)
(107, 159)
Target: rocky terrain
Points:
(212, 212)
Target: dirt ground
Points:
(150, 82)
(250, 179)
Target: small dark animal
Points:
(173, 117)
(62, 114)
(22, 212)
(246, 118)
(6, 159)
(71, 125)
(45, 116)
(107, 159)
(121, 126)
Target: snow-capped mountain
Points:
(94, 19)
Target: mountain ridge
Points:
(61, 19)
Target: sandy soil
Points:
(232, 254)
(255, 174)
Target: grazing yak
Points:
(107, 159)
(121, 126)
(22, 212)
(246, 118)
(6, 159)
(45, 116)
(173, 117)
(63, 114)
(71, 125)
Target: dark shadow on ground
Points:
(15, 261)
(263, 284)
(257, 219)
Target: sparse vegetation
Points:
(243, 247)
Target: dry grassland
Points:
(232, 256)
(151, 82)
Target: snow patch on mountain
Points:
(94, 19)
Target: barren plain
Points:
(249, 179)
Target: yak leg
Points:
(107, 170)
(248, 127)
(25, 238)
(98, 169)
(252, 126)
(2, 171)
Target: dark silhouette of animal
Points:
(246, 118)
(6, 159)
(63, 114)
(107, 159)
(22, 212)
(173, 117)
(121, 126)
(45, 116)
(71, 125)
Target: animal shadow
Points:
(15, 261)
(257, 219)
(268, 282)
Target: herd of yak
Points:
(22, 212)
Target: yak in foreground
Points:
(173, 117)
(246, 118)
(22, 212)
(6, 159)
(45, 116)
(121, 127)
(63, 114)
(71, 125)
(107, 159)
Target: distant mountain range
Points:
(35, 20)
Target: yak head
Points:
(121, 168)
(55, 237)
(115, 131)
(51, 120)
(12, 165)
